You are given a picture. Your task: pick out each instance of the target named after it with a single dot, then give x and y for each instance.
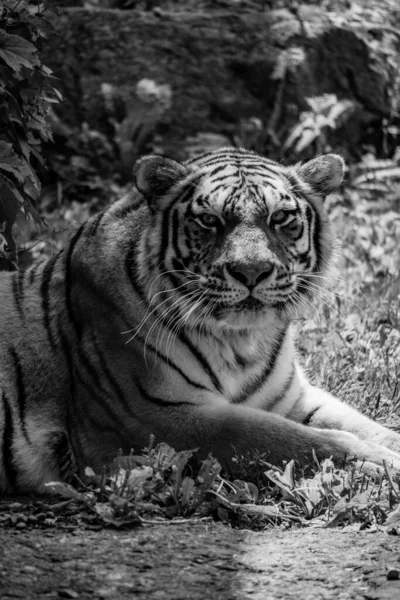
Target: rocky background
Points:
(287, 79)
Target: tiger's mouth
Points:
(250, 304)
(249, 308)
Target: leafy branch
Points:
(25, 96)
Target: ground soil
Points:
(197, 561)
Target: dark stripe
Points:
(217, 170)
(173, 366)
(17, 288)
(134, 201)
(311, 223)
(209, 157)
(159, 401)
(255, 384)
(307, 419)
(96, 389)
(283, 392)
(33, 272)
(230, 157)
(186, 193)
(311, 216)
(175, 231)
(316, 238)
(202, 360)
(97, 425)
(69, 282)
(110, 305)
(241, 361)
(93, 225)
(63, 455)
(123, 212)
(47, 274)
(295, 404)
(71, 398)
(241, 161)
(271, 178)
(106, 372)
(21, 398)
(100, 403)
(223, 178)
(8, 438)
(132, 271)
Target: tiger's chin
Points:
(250, 314)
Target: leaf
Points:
(165, 456)
(270, 511)
(393, 520)
(244, 492)
(360, 500)
(17, 52)
(10, 162)
(31, 209)
(285, 481)
(40, 124)
(342, 515)
(32, 186)
(137, 477)
(187, 489)
(179, 463)
(21, 170)
(10, 203)
(64, 489)
(209, 471)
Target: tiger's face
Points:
(237, 238)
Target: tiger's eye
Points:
(280, 216)
(207, 220)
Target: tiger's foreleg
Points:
(227, 431)
(321, 410)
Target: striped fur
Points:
(170, 314)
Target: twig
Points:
(174, 521)
(390, 479)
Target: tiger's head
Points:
(234, 238)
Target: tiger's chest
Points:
(248, 370)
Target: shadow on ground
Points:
(204, 561)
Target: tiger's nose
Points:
(250, 276)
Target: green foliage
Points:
(162, 484)
(326, 112)
(25, 94)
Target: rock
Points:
(41, 517)
(392, 574)
(22, 518)
(66, 593)
(13, 520)
(32, 520)
(226, 68)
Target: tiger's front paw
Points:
(381, 456)
(371, 454)
(390, 440)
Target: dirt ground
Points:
(197, 561)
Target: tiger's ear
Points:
(154, 176)
(324, 174)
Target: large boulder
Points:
(226, 69)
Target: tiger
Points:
(170, 314)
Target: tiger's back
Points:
(169, 314)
